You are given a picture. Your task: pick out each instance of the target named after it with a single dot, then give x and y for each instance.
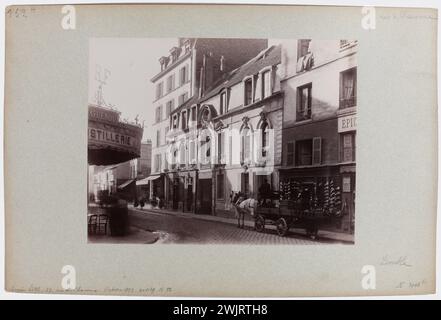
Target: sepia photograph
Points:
(222, 141)
(214, 151)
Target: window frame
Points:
(269, 71)
(351, 102)
(223, 103)
(159, 90)
(301, 43)
(353, 147)
(249, 79)
(299, 102)
(158, 114)
(299, 157)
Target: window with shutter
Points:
(158, 138)
(183, 75)
(159, 92)
(169, 108)
(316, 150)
(170, 83)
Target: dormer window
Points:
(305, 58)
(164, 62)
(303, 47)
(175, 121)
(248, 91)
(184, 120)
(266, 83)
(174, 53)
(223, 106)
(187, 47)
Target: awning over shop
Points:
(125, 184)
(146, 180)
(111, 141)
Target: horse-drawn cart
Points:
(308, 209)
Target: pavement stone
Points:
(325, 236)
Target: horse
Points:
(242, 206)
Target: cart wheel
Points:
(282, 227)
(259, 223)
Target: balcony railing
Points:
(348, 102)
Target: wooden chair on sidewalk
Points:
(92, 223)
(103, 221)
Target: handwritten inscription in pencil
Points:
(390, 261)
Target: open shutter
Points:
(290, 148)
(316, 150)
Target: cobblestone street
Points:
(185, 229)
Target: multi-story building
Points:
(140, 169)
(319, 81)
(191, 68)
(231, 140)
(110, 178)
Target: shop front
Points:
(322, 187)
(347, 130)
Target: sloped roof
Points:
(186, 104)
(268, 57)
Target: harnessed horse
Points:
(243, 206)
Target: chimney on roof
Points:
(222, 64)
(202, 75)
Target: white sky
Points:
(132, 63)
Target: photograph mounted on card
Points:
(168, 149)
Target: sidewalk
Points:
(135, 236)
(322, 234)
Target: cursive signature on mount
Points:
(400, 261)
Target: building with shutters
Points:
(229, 139)
(190, 69)
(319, 82)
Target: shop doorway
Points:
(205, 189)
(189, 197)
(175, 199)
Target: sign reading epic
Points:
(348, 123)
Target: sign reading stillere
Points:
(109, 140)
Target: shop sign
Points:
(101, 114)
(118, 136)
(348, 123)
